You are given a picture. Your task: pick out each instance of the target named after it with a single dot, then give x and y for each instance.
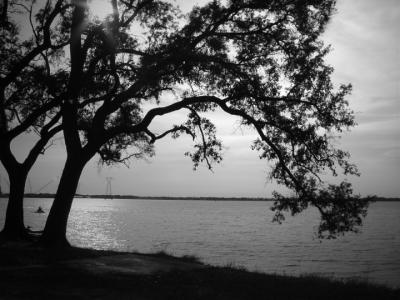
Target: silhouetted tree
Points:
(29, 91)
(259, 60)
(34, 76)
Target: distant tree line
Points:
(211, 198)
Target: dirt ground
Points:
(31, 272)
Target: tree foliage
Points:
(259, 60)
(29, 90)
(262, 61)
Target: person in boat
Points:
(40, 210)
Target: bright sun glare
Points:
(99, 8)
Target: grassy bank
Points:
(29, 272)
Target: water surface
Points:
(235, 233)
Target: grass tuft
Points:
(184, 258)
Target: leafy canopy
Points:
(260, 60)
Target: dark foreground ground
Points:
(30, 272)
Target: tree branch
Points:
(203, 139)
(172, 130)
(25, 124)
(24, 62)
(39, 147)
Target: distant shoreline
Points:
(134, 197)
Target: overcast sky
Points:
(366, 52)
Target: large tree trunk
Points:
(55, 230)
(56, 226)
(14, 228)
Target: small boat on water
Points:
(39, 210)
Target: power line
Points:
(43, 187)
(47, 184)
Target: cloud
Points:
(366, 48)
(380, 110)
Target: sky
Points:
(365, 38)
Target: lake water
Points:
(234, 233)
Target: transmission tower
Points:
(108, 188)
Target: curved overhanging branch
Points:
(222, 103)
(257, 125)
(175, 129)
